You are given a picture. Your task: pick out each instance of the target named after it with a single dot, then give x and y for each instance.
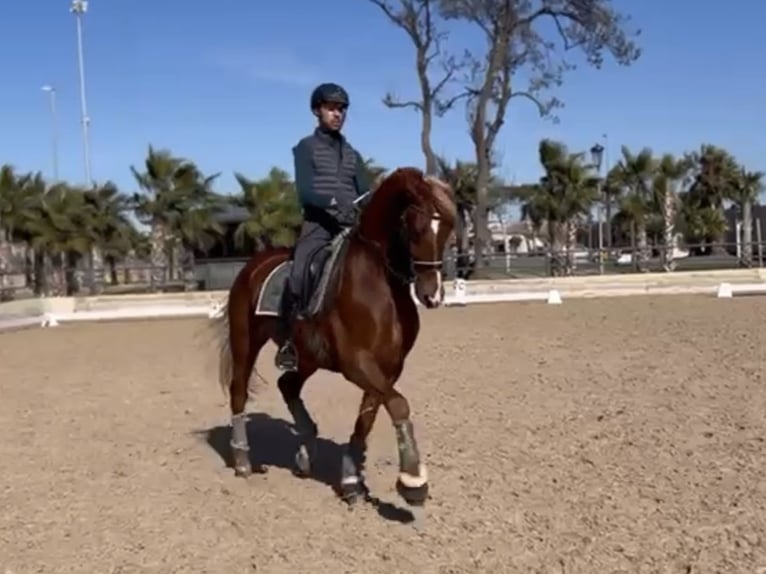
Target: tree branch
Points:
(542, 108)
(391, 101)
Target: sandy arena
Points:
(601, 436)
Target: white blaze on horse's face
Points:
(435, 222)
(429, 285)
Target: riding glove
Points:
(344, 212)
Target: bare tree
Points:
(418, 20)
(515, 43)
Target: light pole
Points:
(79, 8)
(597, 155)
(51, 91)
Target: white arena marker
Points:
(460, 291)
(554, 297)
(216, 311)
(725, 291)
(49, 320)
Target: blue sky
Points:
(228, 86)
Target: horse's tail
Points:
(236, 318)
(220, 325)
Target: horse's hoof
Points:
(242, 466)
(302, 462)
(413, 495)
(260, 469)
(243, 471)
(350, 493)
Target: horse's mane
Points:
(443, 196)
(404, 186)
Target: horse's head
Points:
(420, 216)
(429, 223)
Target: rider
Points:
(329, 176)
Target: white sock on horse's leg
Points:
(239, 431)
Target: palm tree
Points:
(179, 206)
(748, 188)
(274, 212)
(461, 176)
(715, 180)
(58, 227)
(19, 223)
(11, 185)
(671, 173)
(111, 230)
(635, 174)
(562, 198)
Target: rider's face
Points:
(331, 116)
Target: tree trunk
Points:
(570, 243)
(158, 257)
(555, 251)
(5, 268)
(74, 275)
(111, 262)
(425, 134)
(39, 272)
(747, 233)
(462, 263)
(718, 248)
(669, 227)
(57, 273)
(481, 214)
(96, 271)
(189, 275)
(642, 247)
(609, 233)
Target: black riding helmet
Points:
(328, 93)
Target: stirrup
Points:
(286, 358)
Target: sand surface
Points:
(600, 436)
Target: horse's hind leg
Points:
(290, 385)
(352, 467)
(244, 352)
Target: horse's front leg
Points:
(412, 483)
(352, 466)
(290, 385)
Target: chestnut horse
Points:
(363, 326)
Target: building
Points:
(216, 267)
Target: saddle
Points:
(319, 281)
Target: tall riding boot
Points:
(287, 356)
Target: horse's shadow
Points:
(273, 443)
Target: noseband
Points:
(416, 264)
(428, 264)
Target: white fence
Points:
(462, 293)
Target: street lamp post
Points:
(51, 91)
(597, 155)
(79, 8)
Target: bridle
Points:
(416, 264)
(435, 222)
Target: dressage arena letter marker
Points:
(460, 289)
(725, 291)
(216, 311)
(554, 297)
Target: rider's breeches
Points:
(313, 237)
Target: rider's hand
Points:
(345, 213)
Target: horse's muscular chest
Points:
(409, 320)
